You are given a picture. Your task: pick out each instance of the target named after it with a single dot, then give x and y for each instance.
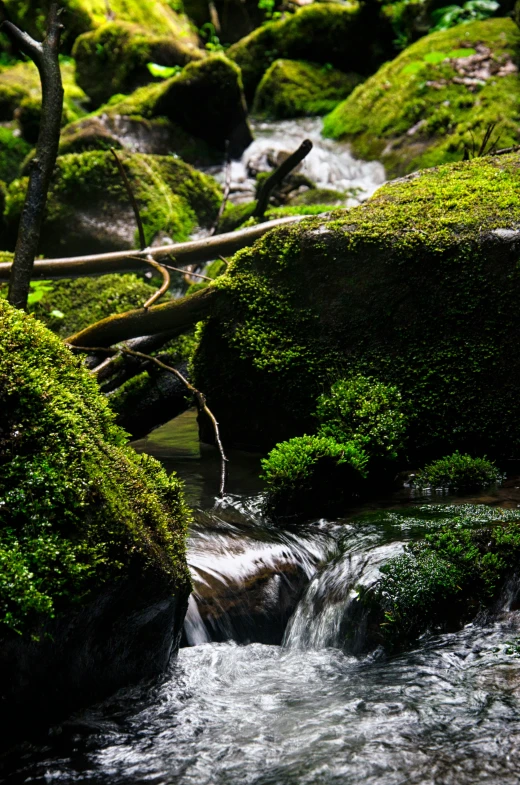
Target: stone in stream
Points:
(89, 210)
(416, 288)
(436, 98)
(94, 581)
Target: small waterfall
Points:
(330, 614)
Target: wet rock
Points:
(436, 99)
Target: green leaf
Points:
(57, 314)
(435, 57)
(458, 53)
(413, 68)
(163, 71)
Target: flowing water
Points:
(329, 164)
(273, 685)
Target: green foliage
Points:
(442, 581)
(162, 71)
(291, 88)
(458, 472)
(78, 508)
(364, 412)
(211, 40)
(13, 151)
(473, 10)
(308, 474)
(417, 111)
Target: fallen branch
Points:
(278, 175)
(128, 261)
(200, 398)
(175, 317)
(133, 200)
(45, 57)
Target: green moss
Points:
(344, 35)
(311, 474)
(443, 581)
(20, 91)
(366, 413)
(413, 288)
(172, 196)
(458, 472)
(13, 151)
(79, 16)
(113, 58)
(414, 114)
(77, 507)
(292, 88)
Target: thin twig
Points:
(223, 259)
(181, 270)
(200, 398)
(133, 201)
(227, 189)
(165, 284)
(278, 175)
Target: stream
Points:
(270, 686)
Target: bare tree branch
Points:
(45, 57)
(133, 201)
(200, 398)
(280, 174)
(124, 261)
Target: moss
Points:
(413, 288)
(422, 108)
(237, 216)
(172, 196)
(80, 16)
(442, 582)
(323, 197)
(71, 305)
(78, 507)
(206, 99)
(292, 88)
(113, 58)
(346, 36)
(308, 475)
(13, 151)
(20, 93)
(458, 472)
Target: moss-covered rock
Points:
(13, 151)
(347, 36)
(20, 96)
(113, 58)
(291, 88)
(88, 207)
(416, 288)
(206, 100)
(83, 518)
(439, 96)
(80, 16)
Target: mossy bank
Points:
(417, 288)
(436, 98)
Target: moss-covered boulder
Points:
(114, 58)
(438, 97)
(94, 580)
(291, 88)
(416, 288)
(348, 36)
(80, 16)
(20, 97)
(206, 100)
(88, 207)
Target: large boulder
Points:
(440, 95)
(349, 37)
(80, 16)
(292, 88)
(94, 580)
(114, 58)
(88, 208)
(417, 288)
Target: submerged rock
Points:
(439, 96)
(88, 207)
(94, 580)
(291, 88)
(417, 289)
(113, 58)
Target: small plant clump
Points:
(458, 472)
(308, 474)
